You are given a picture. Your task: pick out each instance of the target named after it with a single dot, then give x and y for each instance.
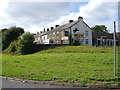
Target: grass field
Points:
(70, 64)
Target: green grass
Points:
(72, 64)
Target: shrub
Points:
(25, 44)
(76, 42)
(9, 35)
(12, 47)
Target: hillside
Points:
(71, 64)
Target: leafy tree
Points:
(9, 35)
(4, 29)
(76, 42)
(100, 28)
(12, 47)
(25, 44)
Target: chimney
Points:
(56, 25)
(70, 21)
(51, 28)
(44, 30)
(37, 33)
(47, 29)
(41, 32)
(80, 18)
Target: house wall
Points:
(59, 36)
(44, 40)
(82, 27)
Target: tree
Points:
(12, 47)
(9, 35)
(25, 44)
(100, 28)
(76, 42)
(4, 29)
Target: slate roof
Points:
(62, 27)
(99, 34)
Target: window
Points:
(57, 35)
(86, 33)
(66, 33)
(86, 41)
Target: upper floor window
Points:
(86, 33)
(57, 35)
(66, 33)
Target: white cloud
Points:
(63, 19)
(34, 16)
(95, 12)
(3, 4)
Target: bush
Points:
(76, 42)
(25, 44)
(12, 47)
(9, 35)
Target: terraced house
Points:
(65, 34)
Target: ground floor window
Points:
(86, 41)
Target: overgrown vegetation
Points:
(10, 34)
(76, 42)
(24, 45)
(12, 47)
(70, 64)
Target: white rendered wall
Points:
(82, 27)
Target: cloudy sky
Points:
(33, 16)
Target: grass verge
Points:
(70, 64)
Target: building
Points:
(104, 39)
(66, 34)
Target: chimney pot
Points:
(51, 28)
(41, 32)
(37, 33)
(44, 30)
(56, 25)
(79, 18)
(47, 29)
(70, 21)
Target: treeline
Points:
(16, 40)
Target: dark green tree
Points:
(12, 47)
(9, 35)
(76, 42)
(25, 44)
(100, 28)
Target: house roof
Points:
(109, 35)
(99, 34)
(62, 27)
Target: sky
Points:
(35, 15)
